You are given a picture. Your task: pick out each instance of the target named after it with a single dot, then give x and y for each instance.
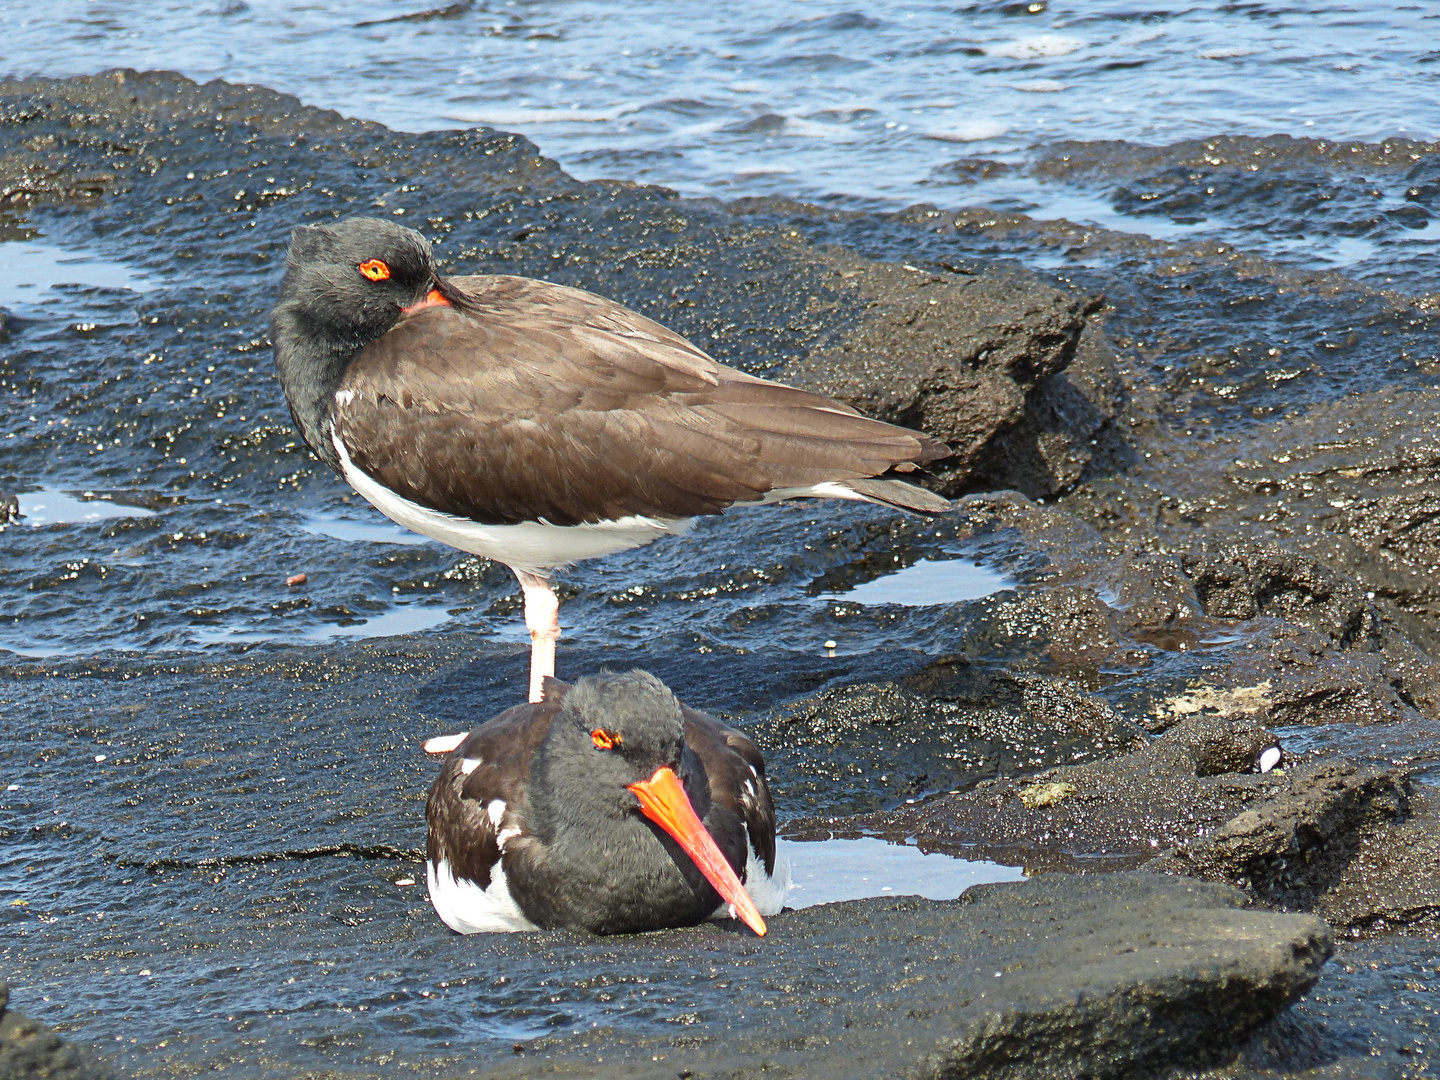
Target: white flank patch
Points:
(533, 546)
(470, 764)
(468, 909)
(443, 744)
(768, 892)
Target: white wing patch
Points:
(443, 744)
(468, 909)
(470, 764)
(344, 397)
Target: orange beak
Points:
(434, 298)
(664, 802)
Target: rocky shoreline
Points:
(1209, 477)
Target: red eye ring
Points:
(374, 269)
(604, 740)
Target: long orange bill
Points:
(663, 799)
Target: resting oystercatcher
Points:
(536, 424)
(607, 807)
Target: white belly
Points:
(534, 546)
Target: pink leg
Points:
(542, 618)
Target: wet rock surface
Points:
(970, 358)
(31, 1051)
(1234, 551)
(881, 742)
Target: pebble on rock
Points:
(1035, 796)
(1269, 759)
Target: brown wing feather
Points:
(538, 401)
(737, 778)
(460, 829)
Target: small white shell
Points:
(1269, 759)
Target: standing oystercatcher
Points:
(606, 807)
(536, 424)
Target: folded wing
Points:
(533, 401)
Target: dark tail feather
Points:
(902, 496)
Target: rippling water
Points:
(862, 104)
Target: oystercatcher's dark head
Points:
(617, 750)
(345, 285)
(353, 279)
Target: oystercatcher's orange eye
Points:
(375, 270)
(604, 740)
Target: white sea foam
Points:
(1041, 86)
(970, 131)
(1037, 48)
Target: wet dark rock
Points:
(974, 170)
(1105, 813)
(1370, 1017)
(1227, 151)
(765, 124)
(31, 1051)
(1393, 881)
(1298, 843)
(1154, 599)
(946, 727)
(1424, 183)
(1212, 745)
(1275, 185)
(1068, 625)
(304, 834)
(976, 349)
(1242, 582)
(1301, 677)
(450, 11)
(1058, 976)
(1177, 791)
(1049, 449)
